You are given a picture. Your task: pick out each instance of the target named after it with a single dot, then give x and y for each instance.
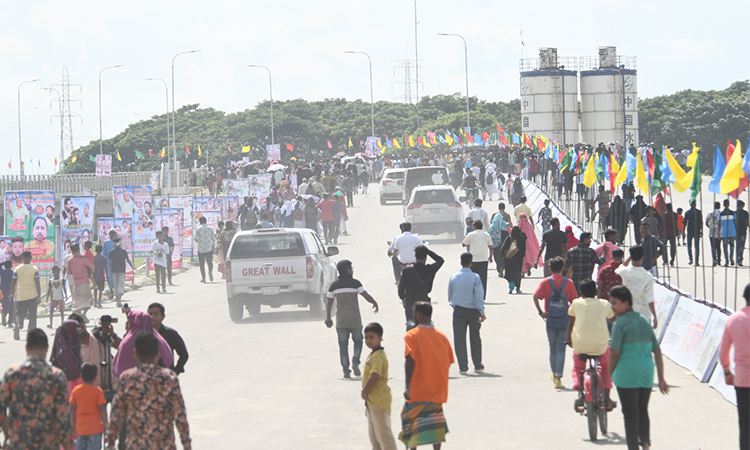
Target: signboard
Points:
(5, 250)
(30, 220)
(103, 166)
(260, 186)
(124, 230)
(172, 218)
(230, 207)
(212, 219)
(273, 152)
(665, 302)
(685, 331)
(207, 204)
(77, 220)
(184, 205)
(236, 188)
(135, 202)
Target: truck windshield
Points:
(267, 246)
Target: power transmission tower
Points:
(406, 65)
(66, 116)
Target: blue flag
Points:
(631, 163)
(719, 166)
(478, 139)
(516, 139)
(746, 160)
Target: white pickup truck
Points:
(278, 266)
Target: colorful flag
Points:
(449, 138)
(420, 141)
(229, 148)
(681, 182)
(622, 176)
(641, 182)
(658, 182)
(503, 138)
(10, 163)
(119, 158)
(500, 129)
(746, 161)
(55, 161)
(350, 143)
(289, 147)
(695, 185)
(139, 155)
(431, 137)
(92, 158)
(329, 144)
(411, 142)
(743, 181)
(361, 145)
(731, 179)
(395, 143)
(187, 151)
(200, 153)
(589, 176)
(150, 153)
(719, 166)
(163, 151)
(246, 149)
(485, 136)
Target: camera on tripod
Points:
(105, 321)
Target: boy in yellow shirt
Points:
(375, 391)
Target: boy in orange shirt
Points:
(88, 411)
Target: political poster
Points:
(206, 204)
(171, 218)
(135, 202)
(212, 219)
(260, 187)
(155, 177)
(230, 207)
(5, 249)
(124, 230)
(273, 152)
(293, 181)
(103, 166)
(184, 205)
(30, 220)
(77, 219)
(236, 188)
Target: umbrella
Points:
(359, 154)
(257, 161)
(339, 155)
(275, 167)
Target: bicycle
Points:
(471, 195)
(594, 404)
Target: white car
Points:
(435, 210)
(278, 266)
(390, 185)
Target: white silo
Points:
(549, 96)
(609, 98)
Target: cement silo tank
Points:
(609, 98)
(549, 96)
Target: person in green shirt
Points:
(632, 368)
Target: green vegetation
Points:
(704, 117)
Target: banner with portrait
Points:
(135, 202)
(206, 204)
(260, 187)
(212, 219)
(170, 217)
(103, 166)
(30, 220)
(236, 188)
(6, 250)
(184, 205)
(124, 230)
(230, 207)
(77, 219)
(273, 152)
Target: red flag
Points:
(10, 163)
(420, 141)
(744, 180)
(229, 149)
(500, 129)
(187, 149)
(485, 136)
(527, 140)
(470, 138)
(360, 144)
(329, 144)
(150, 153)
(460, 141)
(55, 161)
(289, 147)
(540, 144)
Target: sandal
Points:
(614, 405)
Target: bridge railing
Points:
(73, 184)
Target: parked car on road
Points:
(435, 210)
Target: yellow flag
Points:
(622, 175)
(246, 149)
(379, 144)
(200, 153)
(589, 175)
(73, 159)
(118, 156)
(681, 184)
(641, 182)
(449, 139)
(693, 156)
(732, 174)
(350, 143)
(427, 143)
(613, 162)
(395, 143)
(410, 140)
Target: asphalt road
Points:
(275, 382)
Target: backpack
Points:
(557, 308)
(310, 190)
(298, 213)
(489, 179)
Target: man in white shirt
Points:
(403, 246)
(479, 244)
(640, 282)
(159, 252)
(479, 214)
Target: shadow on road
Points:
(282, 316)
(608, 439)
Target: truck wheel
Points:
(235, 310)
(253, 308)
(318, 303)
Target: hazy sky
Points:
(679, 45)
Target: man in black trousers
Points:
(416, 281)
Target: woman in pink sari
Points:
(532, 244)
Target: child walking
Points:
(375, 391)
(88, 411)
(100, 268)
(56, 294)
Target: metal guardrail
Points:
(74, 183)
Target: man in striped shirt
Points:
(345, 290)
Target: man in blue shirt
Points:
(108, 247)
(466, 296)
(728, 233)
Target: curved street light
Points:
(466, 61)
(372, 101)
(270, 85)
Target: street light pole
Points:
(416, 58)
(100, 103)
(270, 85)
(372, 99)
(166, 94)
(59, 107)
(20, 153)
(466, 62)
(174, 118)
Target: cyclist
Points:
(470, 183)
(588, 335)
